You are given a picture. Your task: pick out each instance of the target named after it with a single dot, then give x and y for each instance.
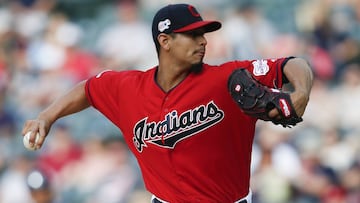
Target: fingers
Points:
(27, 127)
(42, 133)
(274, 113)
(35, 126)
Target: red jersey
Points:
(192, 143)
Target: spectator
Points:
(127, 43)
(40, 187)
(249, 32)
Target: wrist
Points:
(45, 117)
(303, 93)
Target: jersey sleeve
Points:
(268, 72)
(102, 94)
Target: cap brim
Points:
(209, 26)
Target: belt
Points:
(246, 199)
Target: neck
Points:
(170, 76)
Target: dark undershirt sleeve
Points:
(284, 78)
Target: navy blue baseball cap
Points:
(178, 18)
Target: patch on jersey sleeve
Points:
(101, 73)
(260, 67)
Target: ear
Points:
(164, 41)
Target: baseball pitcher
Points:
(189, 124)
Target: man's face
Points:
(189, 47)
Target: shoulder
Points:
(114, 74)
(226, 67)
(114, 81)
(120, 78)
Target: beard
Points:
(197, 68)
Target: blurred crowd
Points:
(47, 46)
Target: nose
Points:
(202, 40)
